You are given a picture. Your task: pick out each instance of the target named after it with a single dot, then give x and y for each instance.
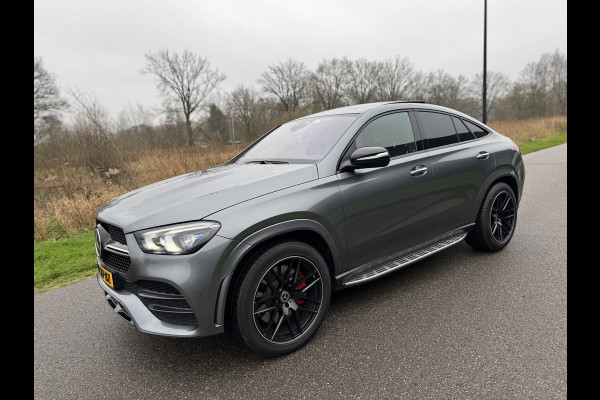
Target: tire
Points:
(496, 221)
(280, 298)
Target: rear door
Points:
(387, 209)
(460, 164)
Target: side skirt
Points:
(386, 265)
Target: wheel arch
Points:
(505, 175)
(307, 231)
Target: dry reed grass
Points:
(66, 197)
(521, 131)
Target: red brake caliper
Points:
(300, 286)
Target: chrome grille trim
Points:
(117, 250)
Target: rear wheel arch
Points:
(507, 176)
(495, 224)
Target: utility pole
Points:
(484, 62)
(232, 132)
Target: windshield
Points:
(302, 140)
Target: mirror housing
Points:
(367, 157)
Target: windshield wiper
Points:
(266, 162)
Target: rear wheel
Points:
(496, 221)
(281, 298)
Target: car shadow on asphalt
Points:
(348, 307)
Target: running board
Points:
(404, 260)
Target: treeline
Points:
(196, 112)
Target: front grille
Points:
(115, 262)
(164, 302)
(115, 232)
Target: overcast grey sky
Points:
(98, 46)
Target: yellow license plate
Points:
(106, 276)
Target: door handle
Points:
(418, 170)
(483, 155)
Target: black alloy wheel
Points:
(287, 299)
(496, 221)
(280, 298)
(502, 217)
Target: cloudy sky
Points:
(98, 46)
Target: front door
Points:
(388, 209)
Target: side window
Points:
(463, 133)
(392, 131)
(437, 128)
(477, 131)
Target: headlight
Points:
(177, 239)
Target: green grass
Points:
(61, 262)
(535, 145)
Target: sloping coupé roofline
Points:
(354, 109)
(362, 108)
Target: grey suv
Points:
(321, 203)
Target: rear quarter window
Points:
(463, 133)
(475, 129)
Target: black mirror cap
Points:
(370, 157)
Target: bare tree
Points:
(498, 85)
(445, 90)
(184, 81)
(330, 82)
(363, 81)
(244, 103)
(534, 83)
(541, 89)
(558, 79)
(288, 81)
(46, 96)
(135, 117)
(89, 110)
(437, 84)
(418, 86)
(393, 79)
(93, 128)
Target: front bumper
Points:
(131, 308)
(198, 277)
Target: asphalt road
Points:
(460, 324)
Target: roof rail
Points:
(408, 101)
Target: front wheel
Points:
(281, 298)
(496, 221)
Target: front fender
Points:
(296, 225)
(249, 243)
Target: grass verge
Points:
(61, 262)
(539, 144)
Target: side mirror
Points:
(368, 157)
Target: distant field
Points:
(522, 131)
(66, 197)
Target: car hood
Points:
(193, 196)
